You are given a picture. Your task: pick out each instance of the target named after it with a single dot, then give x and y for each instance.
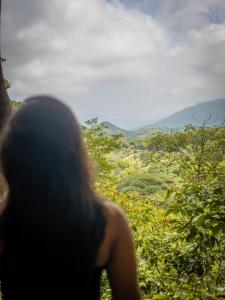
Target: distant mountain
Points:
(111, 129)
(196, 115)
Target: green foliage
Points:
(143, 183)
(174, 198)
(15, 104)
(199, 205)
(6, 82)
(99, 145)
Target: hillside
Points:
(195, 115)
(111, 129)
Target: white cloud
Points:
(83, 42)
(111, 61)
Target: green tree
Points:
(99, 145)
(199, 205)
(5, 107)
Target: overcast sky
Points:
(130, 62)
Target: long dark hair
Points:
(53, 218)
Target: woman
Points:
(57, 235)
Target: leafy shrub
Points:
(144, 184)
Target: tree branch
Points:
(5, 107)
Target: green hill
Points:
(111, 129)
(196, 115)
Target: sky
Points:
(130, 62)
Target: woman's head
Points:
(46, 167)
(43, 145)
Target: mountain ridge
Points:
(196, 114)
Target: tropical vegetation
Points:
(172, 188)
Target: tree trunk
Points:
(5, 107)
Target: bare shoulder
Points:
(113, 212)
(121, 267)
(116, 219)
(113, 216)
